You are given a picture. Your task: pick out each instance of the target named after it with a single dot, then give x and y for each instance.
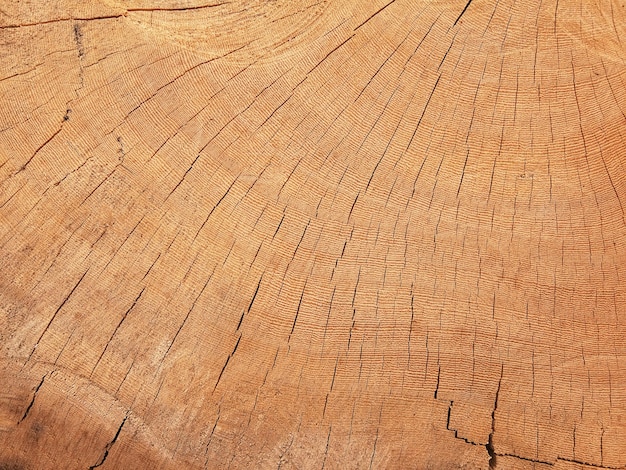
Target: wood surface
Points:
(313, 234)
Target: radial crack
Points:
(490, 449)
(32, 401)
(107, 448)
(464, 10)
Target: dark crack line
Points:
(32, 401)
(464, 10)
(226, 363)
(199, 7)
(493, 454)
(462, 175)
(56, 312)
(295, 319)
(376, 13)
(59, 20)
(329, 54)
(456, 431)
(179, 76)
(182, 179)
(23, 167)
(490, 448)
(107, 448)
(250, 304)
(193, 305)
(215, 207)
(551, 464)
(526, 459)
(208, 444)
(116, 329)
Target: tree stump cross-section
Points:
(313, 234)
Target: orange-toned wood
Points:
(313, 234)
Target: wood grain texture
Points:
(313, 234)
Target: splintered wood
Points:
(313, 234)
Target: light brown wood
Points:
(313, 234)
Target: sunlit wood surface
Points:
(313, 234)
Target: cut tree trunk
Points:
(313, 234)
